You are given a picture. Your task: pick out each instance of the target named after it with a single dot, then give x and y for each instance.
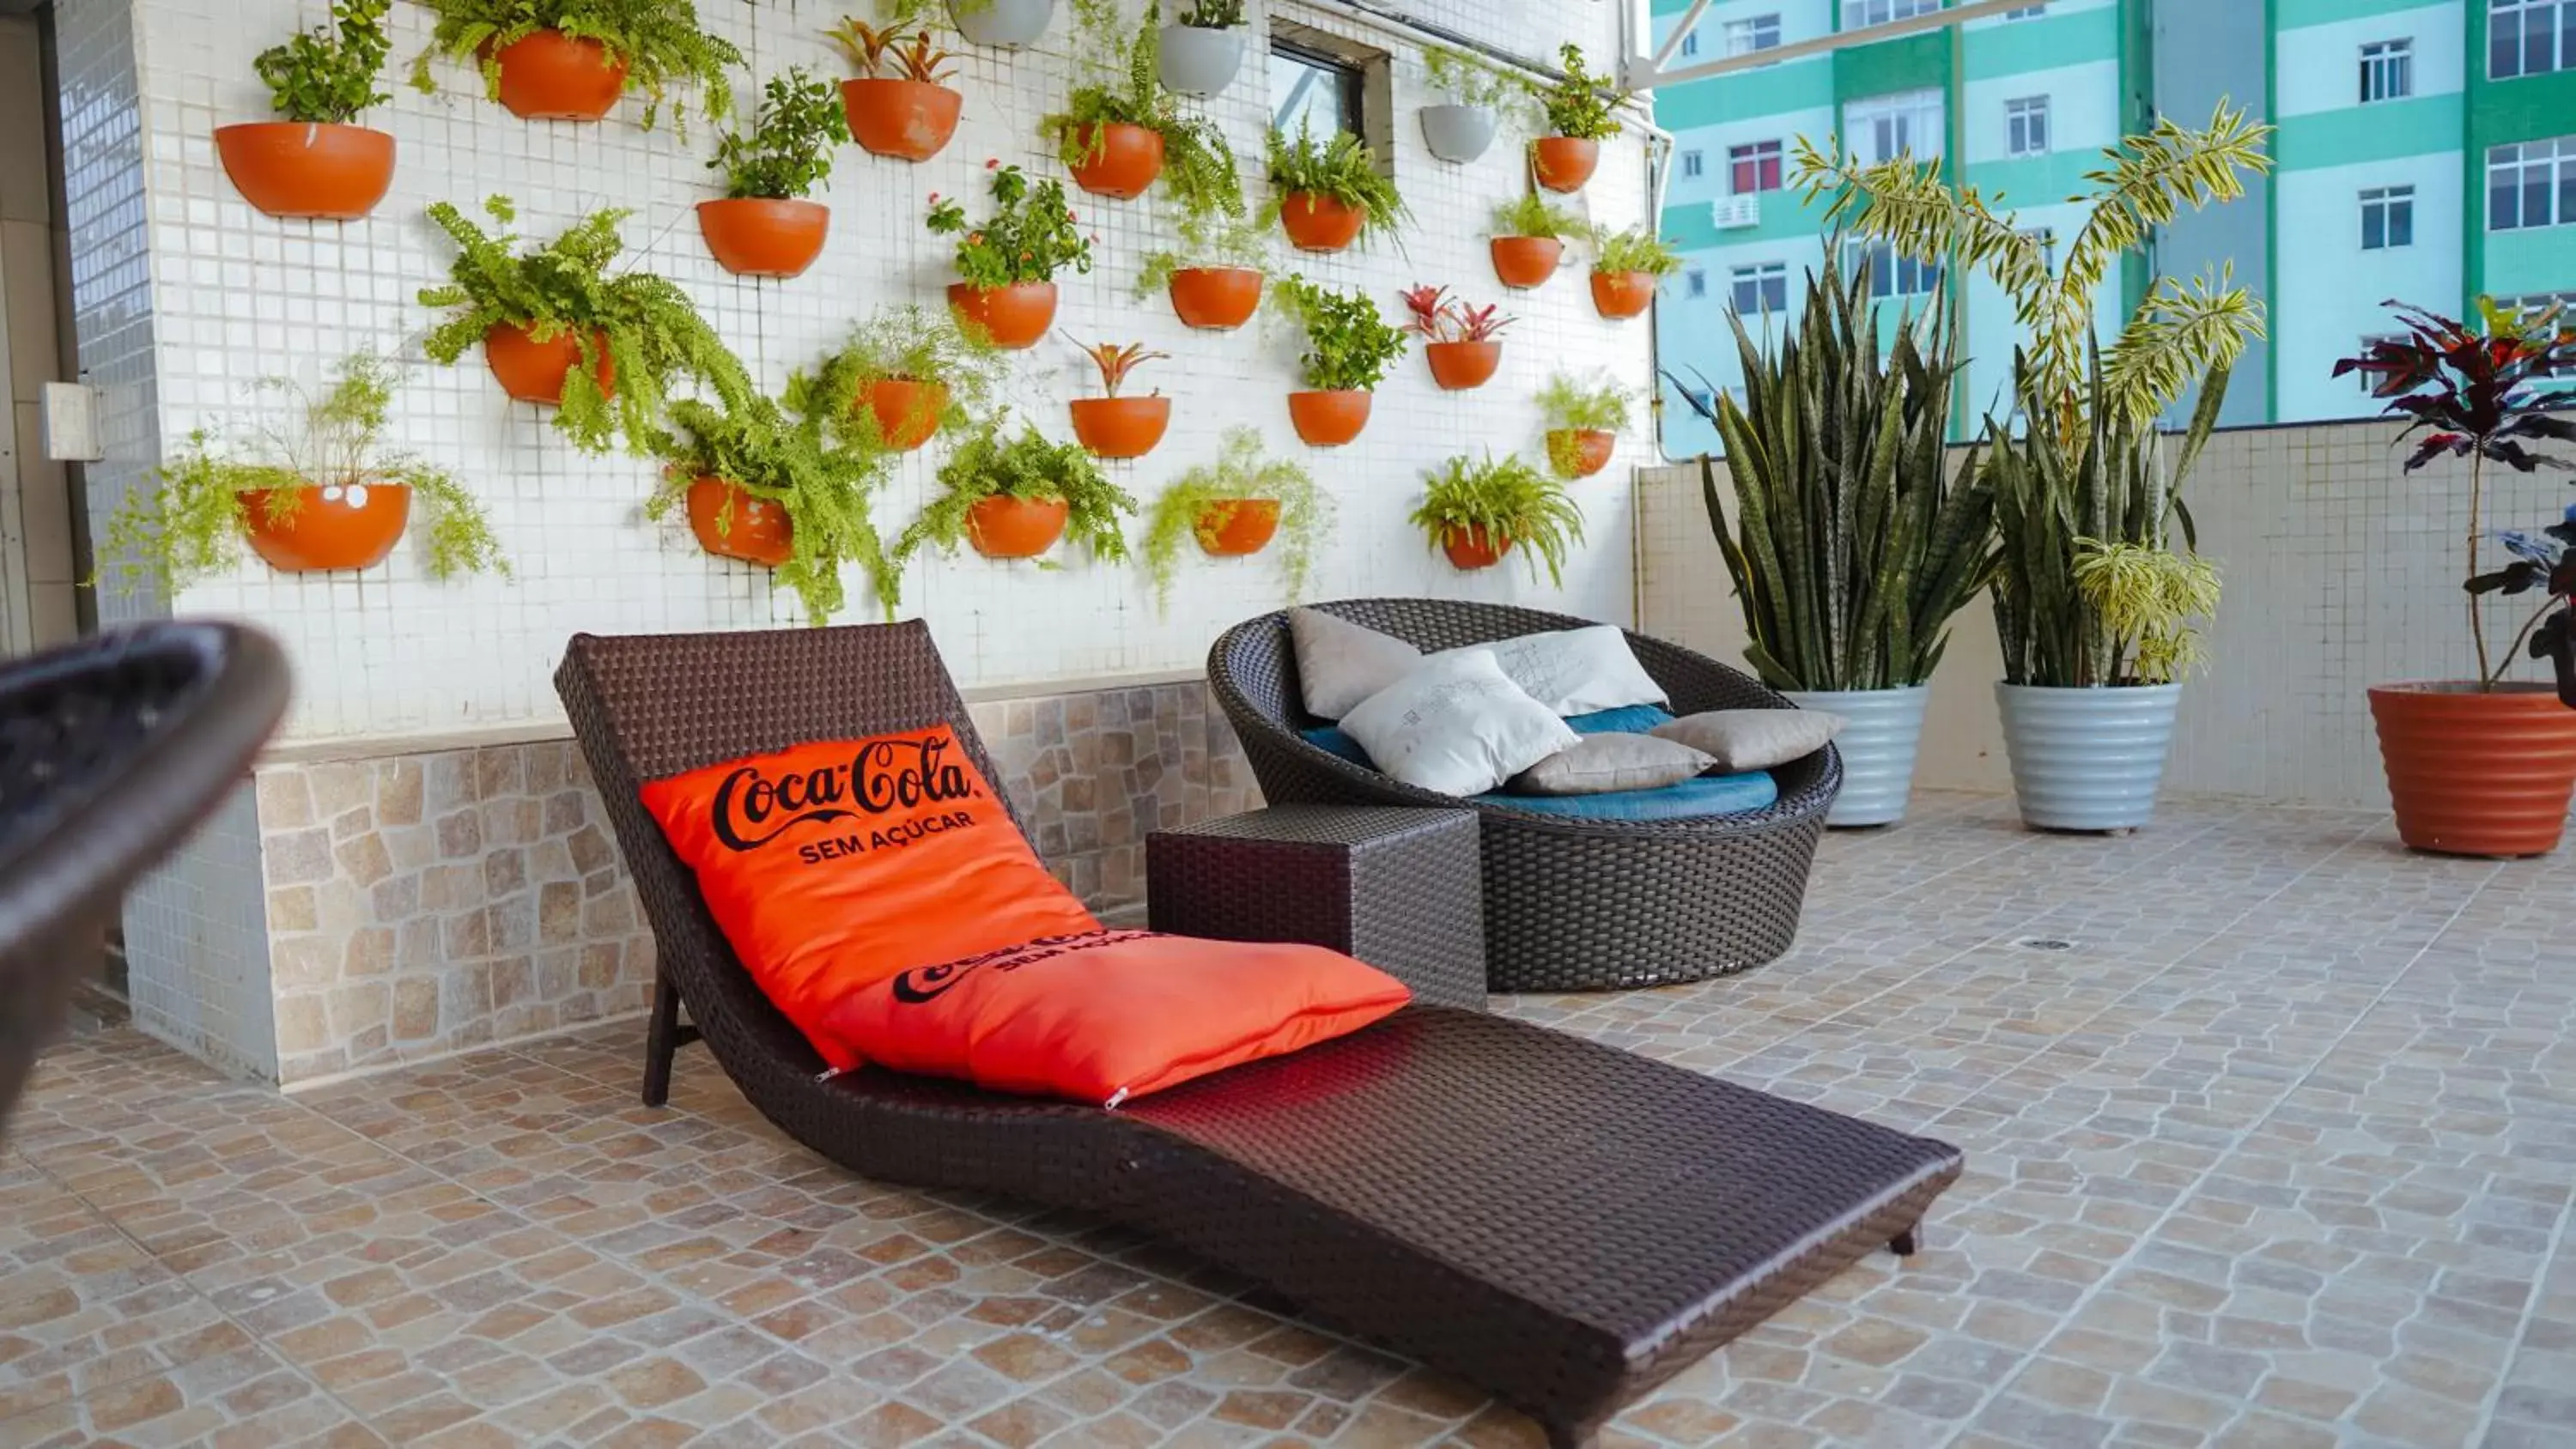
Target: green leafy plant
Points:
(1031, 235)
(659, 41)
(1509, 502)
(1637, 249)
(190, 527)
(1116, 360)
(650, 332)
(1471, 80)
(895, 52)
(1340, 168)
(786, 456)
(1200, 503)
(788, 150)
(1213, 14)
(2149, 596)
(1434, 316)
(1532, 214)
(1205, 241)
(1571, 407)
(1026, 466)
(1349, 344)
(328, 74)
(1578, 104)
(1199, 175)
(906, 343)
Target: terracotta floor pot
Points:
(334, 527)
(1121, 162)
(1622, 295)
(909, 120)
(762, 237)
(1329, 419)
(1458, 366)
(1563, 163)
(1526, 261)
(2477, 772)
(1472, 548)
(533, 371)
(1233, 529)
(1015, 317)
(296, 169)
(907, 411)
(1580, 452)
(1319, 223)
(1217, 299)
(1121, 427)
(730, 523)
(1016, 527)
(550, 76)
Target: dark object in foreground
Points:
(1561, 1223)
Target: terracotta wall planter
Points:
(1016, 527)
(909, 120)
(1216, 299)
(1526, 261)
(533, 371)
(1234, 529)
(1329, 419)
(907, 411)
(730, 523)
(764, 237)
(334, 527)
(1119, 161)
(1457, 366)
(1580, 452)
(2477, 772)
(1472, 548)
(1015, 317)
(1319, 223)
(1562, 163)
(1121, 427)
(1622, 295)
(302, 169)
(550, 76)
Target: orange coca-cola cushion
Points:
(1110, 1015)
(832, 866)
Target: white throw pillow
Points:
(1575, 671)
(1340, 663)
(1754, 739)
(1601, 764)
(1456, 725)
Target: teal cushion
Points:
(1634, 719)
(1331, 740)
(1707, 795)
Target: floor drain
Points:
(2044, 943)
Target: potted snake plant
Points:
(1203, 49)
(1233, 508)
(570, 60)
(311, 161)
(896, 105)
(1349, 347)
(1478, 512)
(764, 226)
(1013, 498)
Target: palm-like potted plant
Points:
(311, 162)
(1202, 50)
(764, 226)
(1007, 262)
(1528, 239)
(1458, 341)
(895, 106)
(1626, 265)
(556, 327)
(1014, 498)
(1213, 273)
(1328, 194)
(1111, 426)
(1583, 424)
(1123, 129)
(1477, 512)
(2483, 766)
(903, 375)
(768, 486)
(322, 496)
(570, 60)
(1480, 97)
(1349, 347)
(1233, 507)
(1578, 121)
(2096, 582)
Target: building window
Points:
(1753, 169)
(2387, 71)
(2026, 12)
(1696, 282)
(1892, 275)
(2531, 185)
(1690, 42)
(1693, 163)
(2382, 384)
(1315, 89)
(1886, 128)
(1857, 13)
(2387, 218)
(1761, 288)
(2530, 37)
(2026, 126)
(2047, 239)
(1760, 32)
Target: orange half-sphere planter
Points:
(534, 371)
(1237, 527)
(1562, 163)
(1580, 452)
(1121, 427)
(550, 76)
(1621, 295)
(730, 523)
(1472, 548)
(2477, 772)
(908, 120)
(907, 412)
(1316, 223)
(334, 526)
(307, 169)
(759, 236)
(1216, 299)
(1526, 261)
(1119, 161)
(1330, 418)
(1015, 316)
(1016, 527)
(1457, 366)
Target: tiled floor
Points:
(2271, 1134)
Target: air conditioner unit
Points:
(1734, 213)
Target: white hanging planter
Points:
(2087, 759)
(1006, 23)
(1199, 61)
(1878, 747)
(1457, 133)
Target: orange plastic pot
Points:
(1563, 163)
(1623, 295)
(1472, 548)
(1580, 452)
(1319, 223)
(1329, 419)
(1119, 160)
(1526, 261)
(909, 120)
(301, 169)
(2477, 772)
(1218, 299)
(730, 523)
(907, 411)
(764, 237)
(550, 76)
(334, 527)
(534, 371)
(1237, 527)
(1121, 427)
(1016, 527)
(1015, 317)
(1458, 366)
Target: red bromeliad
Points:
(1438, 318)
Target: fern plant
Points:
(1201, 502)
(642, 324)
(328, 74)
(906, 343)
(787, 152)
(1341, 169)
(1349, 343)
(1471, 80)
(787, 456)
(1199, 174)
(1637, 249)
(1572, 408)
(1532, 214)
(659, 42)
(1205, 241)
(1510, 503)
(1025, 466)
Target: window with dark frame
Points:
(2387, 218)
(1315, 89)
(1753, 169)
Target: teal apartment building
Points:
(2424, 152)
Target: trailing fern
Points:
(1240, 473)
(660, 42)
(1026, 466)
(905, 343)
(790, 460)
(1199, 174)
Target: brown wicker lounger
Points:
(1562, 1223)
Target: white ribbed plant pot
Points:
(1199, 61)
(1457, 133)
(1009, 23)
(1878, 746)
(2087, 759)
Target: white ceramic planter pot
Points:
(1878, 746)
(1198, 61)
(2087, 759)
(1457, 133)
(1009, 23)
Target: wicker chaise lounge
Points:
(1570, 904)
(1564, 1224)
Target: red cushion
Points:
(832, 866)
(1109, 1015)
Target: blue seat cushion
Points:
(1691, 799)
(1633, 719)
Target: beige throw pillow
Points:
(1599, 764)
(1456, 726)
(1339, 663)
(1754, 739)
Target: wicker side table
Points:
(1396, 887)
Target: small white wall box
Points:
(70, 415)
